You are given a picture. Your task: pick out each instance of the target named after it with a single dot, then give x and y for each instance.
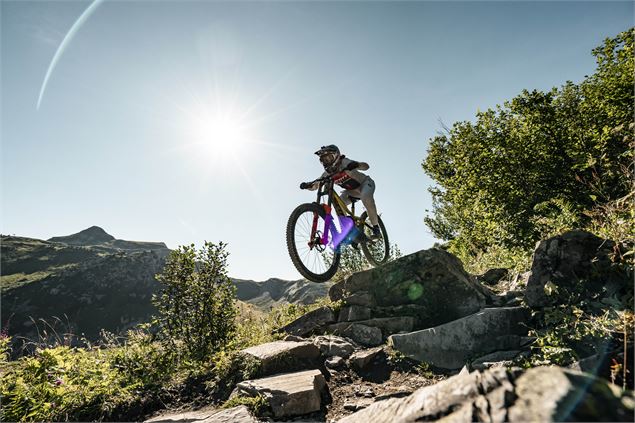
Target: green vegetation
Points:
(188, 353)
(196, 305)
(537, 166)
(540, 164)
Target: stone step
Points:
(289, 394)
(279, 356)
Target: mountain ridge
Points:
(100, 282)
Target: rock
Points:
(330, 345)
(452, 344)
(360, 359)
(544, 394)
(351, 313)
(309, 322)
(464, 370)
(361, 334)
(493, 276)
(576, 261)
(433, 279)
(358, 405)
(495, 359)
(278, 356)
(289, 394)
(334, 362)
(238, 414)
(294, 338)
(556, 394)
(360, 298)
(387, 325)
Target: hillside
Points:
(92, 281)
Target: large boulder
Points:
(289, 394)
(433, 279)
(573, 264)
(279, 356)
(542, 394)
(453, 344)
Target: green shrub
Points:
(196, 306)
(61, 384)
(540, 164)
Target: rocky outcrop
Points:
(289, 394)
(453, 344)
(541, 394)
(432, 279)
(574, 262)
(90, 236)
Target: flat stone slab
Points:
(278, 356)
(289, 394)
(453, 344)
(238, 414)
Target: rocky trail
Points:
(422, 340)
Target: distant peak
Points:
(90, 236)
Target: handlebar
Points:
(320, 180)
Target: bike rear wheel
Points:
(314, 261)
(377, 251)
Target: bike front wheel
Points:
(305, 229)
(376, 251)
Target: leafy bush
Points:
(538, 164)
(61, 384)
(197, 303)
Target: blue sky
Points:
(125, 137)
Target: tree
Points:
(535, 159)
(196, 304)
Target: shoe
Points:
(376, 232)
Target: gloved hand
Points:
(304, 185)
(352, 165)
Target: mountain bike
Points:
(315, 238)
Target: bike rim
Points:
(317, 258)
(377, 248)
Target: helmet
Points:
(329, 156)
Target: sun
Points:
(221, 135)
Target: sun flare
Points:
(222, 135)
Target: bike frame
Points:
(343, 214)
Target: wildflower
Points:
(58, 381)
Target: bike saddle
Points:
(353, 199)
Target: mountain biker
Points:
(346, 173)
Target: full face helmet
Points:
(329, 157)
